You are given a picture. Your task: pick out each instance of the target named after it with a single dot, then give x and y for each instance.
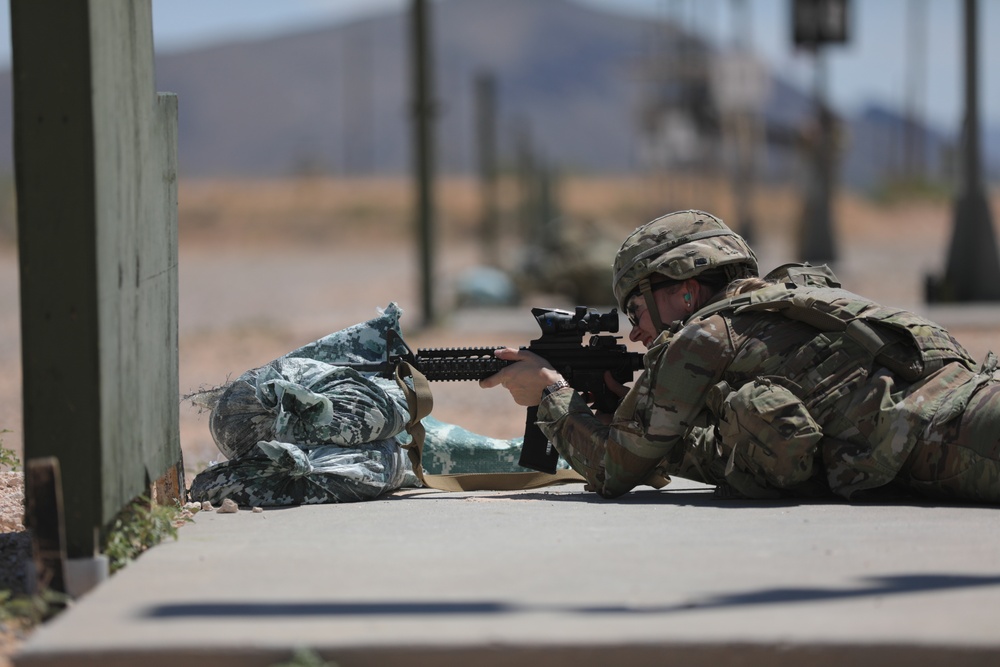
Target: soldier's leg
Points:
(960, 460)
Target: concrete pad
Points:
(558, 576)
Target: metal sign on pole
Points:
(816, 22)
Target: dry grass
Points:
(312, 211)
(320, 209)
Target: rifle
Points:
(561, 344)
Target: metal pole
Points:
(357, 103)
(744, 124)
(913, 155)
(816, 243)
(972, 173)
(526, 172)
(423, 144)
(973, 272)
(486, 134)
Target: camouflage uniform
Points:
(837, 395)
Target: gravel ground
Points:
(15, 543)
(15, 555)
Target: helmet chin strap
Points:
(654, 312)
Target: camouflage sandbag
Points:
(303, 430)
(306, 402)
(451, 449)
(303, 398)
(282, 474)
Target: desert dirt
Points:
(267, 266)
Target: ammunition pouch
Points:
(767, 437)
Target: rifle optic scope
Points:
(583, 320)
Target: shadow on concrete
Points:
(692, 498)
(687, 497)
(874, 587)
(871, 587)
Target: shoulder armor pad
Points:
(805, 275)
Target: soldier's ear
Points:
(690, 289)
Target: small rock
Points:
(258, 510)
(228, 507)
(206, 506)
(192, 507)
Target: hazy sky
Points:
(880, 64)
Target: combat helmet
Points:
(678, 246)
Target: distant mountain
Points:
(879, 143)
(336, 99)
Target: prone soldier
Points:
(786, 385)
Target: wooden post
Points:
(95, 161)
(44, 512)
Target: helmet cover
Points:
(679, 246)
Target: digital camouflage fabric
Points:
(303, 430)
(797, 390)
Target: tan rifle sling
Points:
(419, 401)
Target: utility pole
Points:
(916, 51)
(485, 89)
(424, 109)
(527, 176)
(740, 88)
(973, 271)
(357, 96)
(815, 24)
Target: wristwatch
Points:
(555, 386)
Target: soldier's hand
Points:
(526, 379)
(616, 387)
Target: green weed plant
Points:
(8, 459)
(139, 527)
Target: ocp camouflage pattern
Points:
(761, 401)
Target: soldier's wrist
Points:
(554, 387)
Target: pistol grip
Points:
(536, 451)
